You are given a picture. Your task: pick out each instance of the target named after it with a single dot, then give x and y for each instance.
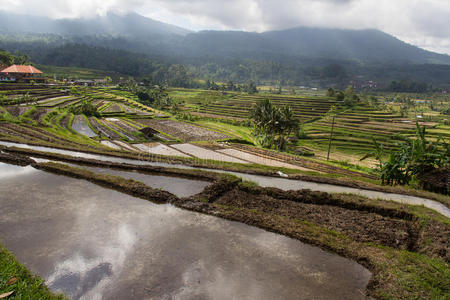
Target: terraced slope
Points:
(239, 105)
(356, 128)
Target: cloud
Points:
(425, 23)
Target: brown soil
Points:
(65, 122)
(4, 131)
(17, 110)
(121, 127)
(434, 239)
(104, 130)
(113, 108)
(361, 226)
(437, 181)
(15, 159)
(125, 126)
(39, 114)
(183, 131)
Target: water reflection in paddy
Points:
(93, 243)
(180, 187)
(10, 171)
(265, 181)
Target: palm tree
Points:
(273, 124)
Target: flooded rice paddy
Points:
(203, 153)
(161, 149)
(265, 181)
(81, 126)
(110, 145)
(289, 184)
(94, 243)
(259, 160)
(180, 187)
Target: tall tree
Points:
(272, 124)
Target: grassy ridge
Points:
(14, 277)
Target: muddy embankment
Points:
(225, 167)
(15, 159)
(363, 220)
(146, 169)
(128, 186)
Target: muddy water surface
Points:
(180, 187)
(84, 155)
(81, 126)
(288, 184)
(94, 243)
(265, 181)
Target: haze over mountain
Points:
(302, 48)
(132, 24)
(143, 33)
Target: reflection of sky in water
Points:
(83, 276)
(285, 184)
(95, 243)
(288, 184)
(40, 160)
(10, 171)
(82, 154)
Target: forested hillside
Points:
(301, 56)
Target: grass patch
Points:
(14, 277)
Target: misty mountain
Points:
(356, 45)
(297, 55)
(136, 33)
(129, 25)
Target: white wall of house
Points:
(7, 79)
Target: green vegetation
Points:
(259, 103)
(416, 158)
(15, 278)
(398, 273)
(86, 108)
(7, 59)
(74, 73)
(273, 125)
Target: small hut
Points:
(21, 73)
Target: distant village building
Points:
(89, 82)
(84, 82)
(100, 81)
(357, 84)
(20, 73)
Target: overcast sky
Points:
(425, 23)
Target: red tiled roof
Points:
(21, 69)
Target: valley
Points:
(102, 145)
(224, 150)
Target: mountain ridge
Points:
(137, 46)
(143, 34)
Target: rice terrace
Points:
(182, 176)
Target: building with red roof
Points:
(20, 73)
